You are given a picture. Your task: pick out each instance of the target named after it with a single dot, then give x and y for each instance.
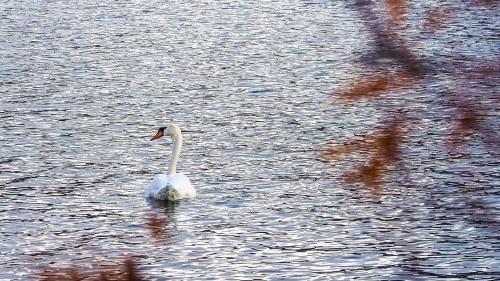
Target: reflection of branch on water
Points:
(125, 271)
(376, 85)
(467, 96)
(388, 44)
(383, 148)
(395, 67)
(158, 222)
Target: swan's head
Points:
(171, 130)
(162, 131)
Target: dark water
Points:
(85, 84)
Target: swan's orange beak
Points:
(158, 135)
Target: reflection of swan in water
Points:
(161, 220)
(167, 207)
(172, 186)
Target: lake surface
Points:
(85, 84)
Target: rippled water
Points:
(85, 84)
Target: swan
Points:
(171, 186)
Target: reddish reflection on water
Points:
(127, 270)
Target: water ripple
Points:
(85, 85)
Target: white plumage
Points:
(171, 186)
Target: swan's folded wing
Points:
(183, 185)
(156, 185)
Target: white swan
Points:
(172, 186)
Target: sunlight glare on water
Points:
(85, 84)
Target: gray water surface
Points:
(85, 84)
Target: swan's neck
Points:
(177, 138)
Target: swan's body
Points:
(171, 186)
